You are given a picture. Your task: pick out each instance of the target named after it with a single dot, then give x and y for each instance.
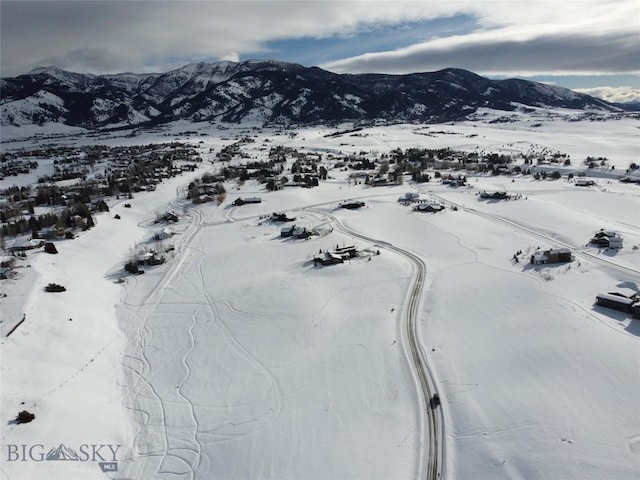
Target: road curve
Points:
(431, 461)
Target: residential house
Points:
(560, 255)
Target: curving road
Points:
(189, 457)
(431, 461)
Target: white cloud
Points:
(148, 33)
(524, 40)
(613, 94)
(230, 57)
(542, 36)
(499, 52)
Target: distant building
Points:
(346, 252)
(429, 207)
(495, 195)
(281, 217)
(301, 232)
(333, 257)
(295, 231)
(409, 197)
(582, 182)
(560, 255)
(327, 258)
(351, 204)
(630, 179)
(242, 201)
(606, 239)
(287, 231)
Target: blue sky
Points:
(580, 44)
(371, 38)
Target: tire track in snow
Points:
(142, 367)
(150, 304)
(236, 346)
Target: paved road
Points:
(431, 462)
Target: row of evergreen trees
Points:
(69, 218)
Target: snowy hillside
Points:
(242, 356)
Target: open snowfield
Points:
(238, 358)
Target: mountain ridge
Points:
(270, 91)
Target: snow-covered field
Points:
(238, 358)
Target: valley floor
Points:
(239, 358)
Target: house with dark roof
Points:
(242, 201)
(560, 255)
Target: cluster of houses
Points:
(205, 192)
(455, 181)
(16, 167)
(122, 170)
(421, 205)
(606, 239)
(295, 231)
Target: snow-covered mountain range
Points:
(267, 91)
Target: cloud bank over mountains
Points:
(576, 37)
(613, 94)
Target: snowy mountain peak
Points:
(268, 90)
(47, 70)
